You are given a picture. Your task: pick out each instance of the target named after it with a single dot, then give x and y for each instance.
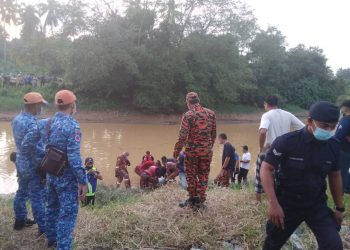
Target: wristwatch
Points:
(340, 209)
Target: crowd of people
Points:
(17, 80)
(292, 166)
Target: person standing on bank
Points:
(27, 136)
(63, 192)
(228, 162)
(275, 122)
(197, 134)
(305, 158)
(245, 165)
(343, 135)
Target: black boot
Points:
(187, 203)
(20, 224)
(198, 204)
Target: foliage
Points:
(149, 55)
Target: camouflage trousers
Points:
(122, 174)
(223, 179)
(197, 174)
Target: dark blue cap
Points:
(89, 160)
(324, 112)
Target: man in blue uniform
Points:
(63, 192)
(343, 135)
(27, 136)
(303, 159)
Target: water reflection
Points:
(104, 141)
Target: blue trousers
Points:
(29, 186)
(344, 164)
(320, 219)
(61, 212)
(183, 182)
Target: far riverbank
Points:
(141, 118)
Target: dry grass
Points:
(155, 221)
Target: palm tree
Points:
(30, 21)
(9, 11)
(53, 11)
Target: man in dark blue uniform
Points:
(63, 191)
(343, 135)
(303, 159)
(27, 137)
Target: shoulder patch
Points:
(77, 136)
(276, 153)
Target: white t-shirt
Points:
(279, 122)
(246, 157)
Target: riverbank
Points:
(141, 118)
(136, 220)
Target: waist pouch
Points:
(54, 162)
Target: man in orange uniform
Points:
(121, 171)
(197, 134)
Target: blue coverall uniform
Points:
(302, 164)
(26, 135)
(62, 194)
(343, 135)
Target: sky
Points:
(321, 23)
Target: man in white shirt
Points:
(276, 122)
(245, 164)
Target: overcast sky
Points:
(321, 23)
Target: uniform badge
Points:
(77, 137)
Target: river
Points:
(104, 141)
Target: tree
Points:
(267, 57)
(9, 11)
(307, 69)
(30, 22)
(53, 11)
(74, 18)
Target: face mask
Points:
(341, 115)
(322, 134)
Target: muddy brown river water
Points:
(103, 141)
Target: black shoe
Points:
(186, 203)
(29, 222)
(20, 224)
(52, 244)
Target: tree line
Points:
(146, 54)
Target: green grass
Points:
(11, 98)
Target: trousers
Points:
(61, 213)
(319, 218)
(197, 174)
(30, 186)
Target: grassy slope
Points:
(11, 100)
(136, 221)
